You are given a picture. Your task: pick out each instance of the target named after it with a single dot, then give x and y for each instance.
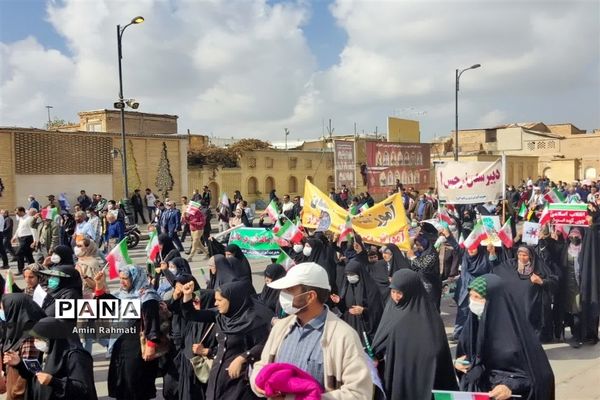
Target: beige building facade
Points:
(564, 152)
(40, 162)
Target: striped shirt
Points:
(302, 347)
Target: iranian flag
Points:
(285, 261)
(152, 249)
(346, 231)
(461, 240)
(444, 216)
(354, 210)
(474, 239)
(272, 210)
(554, 196)
(117, 258)
(545, 217)
(289, 232)
(49, 213)
(523, 210)
(9, 282)
(193, 207)
(505, 234)
(364, 207)
(452, 395)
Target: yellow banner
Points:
(381, 224)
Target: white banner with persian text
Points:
(345, 167)
(469, 182)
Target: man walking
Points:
(151, 204)
(138, 206)
(24, 236)
(314, 339)
(171, 224)
(2, 249)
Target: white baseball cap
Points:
(308, 274)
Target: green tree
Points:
(164, 179)
(56, 123)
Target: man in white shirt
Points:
(83, 228)
(24, 236)
(2, 249)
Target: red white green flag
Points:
(193, 207)
(505, 234)
(346, 231)
(152, 248)
(452, 395)
(272, 210)
(545, 217)
(523, 210)
(363, 208)
(474, 239)
(554, 196)
(444, 216)
(117, 258)
(285, 261)
(225, 200)
(9, 282)
(49, 213)
(289, 232)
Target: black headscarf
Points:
(364, 293)
(417, 356)
(398, 261)
(503, 342)
(589, 259)
(22, 313)
(238, 254)
(270, 297)
(64, 346)
(226, 271)
(167, 246)
(320, 256)
(244, 314)
(65, 253)
(472, 266)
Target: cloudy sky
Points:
(252, 68)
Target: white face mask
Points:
(307, 251)
(287, 300)
(353, 279)
(298, 248)
(110, 207)
(476, 307)
(55, 258)
(78, 251)
(41, 345)
(173, 270)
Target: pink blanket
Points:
(284, 379)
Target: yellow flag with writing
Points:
(381, 224)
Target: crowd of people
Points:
(349, 320)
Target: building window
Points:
(251, 162)
(94, 126)
(531, 146)
(293, 162)
(252, 185)
(293, 185)
(541, 145)
(269, 184)
(308, 164)
(490, 135)
(269, 162)
(552, 144)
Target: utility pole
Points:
(49, 119)
(287, 133)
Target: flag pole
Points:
(219, 235)
(503, 187)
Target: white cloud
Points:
(244, 68)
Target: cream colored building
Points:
(41, 162)
(564, 152)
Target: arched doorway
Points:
(214, 193)
(269, 184)
(252, 186)
(548, 172)
(293, 185)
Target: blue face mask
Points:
(2, 316)
(53, 282)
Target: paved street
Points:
(577, 371)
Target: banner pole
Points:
(218, 235)
(503, 188)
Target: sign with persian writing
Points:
(345, 167)
(568, 214)
(469, 182)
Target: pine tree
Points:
(132, 172)
(164, 179)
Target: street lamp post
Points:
(458, 74)
(121, 102)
